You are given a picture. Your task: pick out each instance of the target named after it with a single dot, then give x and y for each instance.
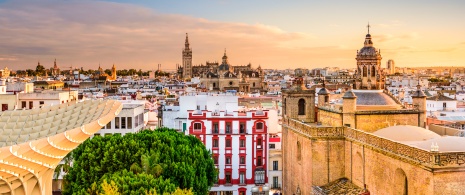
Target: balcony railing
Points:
(276, 186)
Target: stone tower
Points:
(349, 106)
(391, 66)
(187, 60)
(368, 74)
(299, 102)
(113, 73)
(419, 101)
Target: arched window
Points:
(373, 71)
(301, 107)
(365, 71)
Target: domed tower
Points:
(368, 74)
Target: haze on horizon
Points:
(274, 34)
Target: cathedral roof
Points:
(230, 74)
(250, 73)
(373, 97)
(406, 133)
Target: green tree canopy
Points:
(162, 160)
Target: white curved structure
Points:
(33, 142)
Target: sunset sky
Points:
(272, 33)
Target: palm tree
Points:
(148, 164)
(63, 167)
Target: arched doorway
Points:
(400, 182)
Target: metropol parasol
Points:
(33, 142)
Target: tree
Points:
(40, 70)
(63, 168)
(162, 159)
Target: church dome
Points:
(368, 51)
(445, 144)
(406, 133)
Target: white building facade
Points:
(131, 119)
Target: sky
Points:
(274, 34)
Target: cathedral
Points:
(221, 77)
(102, 76)
(366, 142)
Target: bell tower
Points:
(187, 60)
(368, 74)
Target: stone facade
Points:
(316, 156)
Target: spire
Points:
(224, 51)
(187, 41)
(368, 27)
(368, 42)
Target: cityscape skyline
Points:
(143, 34)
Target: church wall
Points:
(296, 173)
(330, 118)
(448, 182)
(373, 122)
(381, 172)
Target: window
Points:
(228, 128)
(228, 143)
(41, 102)
(242, 160)
(275, 165)
(129, 122)
(123, 122)
(242, 143)
(275, 182)
(228, 160)
(4, 107)
(364, 71)
(242, 128)
(272, 146)
(242, 178)
(259, 126)
(215, 143)
(259, 141)
(259, 176)
(109, 125)
(215, 159)
(197, 126)
(373, 71)
(116, 122)
(259, 161)
(215, 127)
(299, 151)
(23, 104)
(301, 107)
(444, 105)
(228, 178)
(31, 104)
(136, 121)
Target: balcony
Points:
(242, 131)
(276, 186)
(215, 131)
(228, 131)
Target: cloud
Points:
(400, 37)
(85, 33)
